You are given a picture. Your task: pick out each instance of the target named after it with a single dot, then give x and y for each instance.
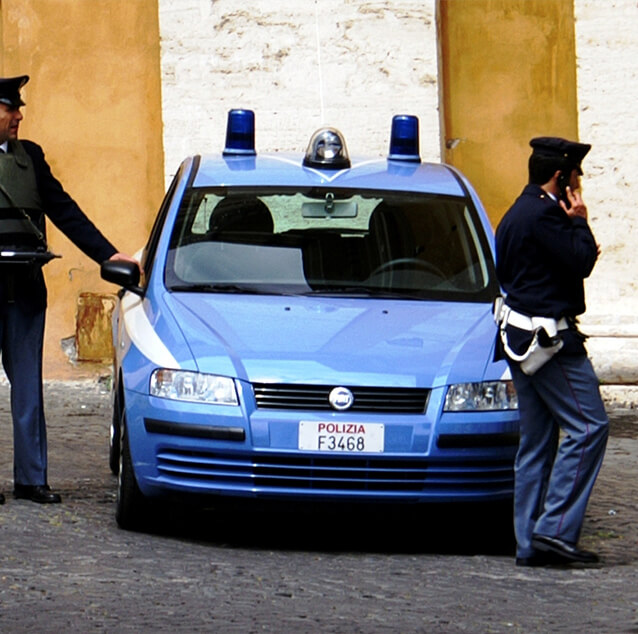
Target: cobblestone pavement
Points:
(68, 568)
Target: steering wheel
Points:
(404, 263)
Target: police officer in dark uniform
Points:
(544, 251)
(28, 191)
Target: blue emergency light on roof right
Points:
(404, 138)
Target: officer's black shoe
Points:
(564, 550)
(41, 494)
(1, 498)
(539, 559)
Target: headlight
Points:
(480, 397)
(181, 385)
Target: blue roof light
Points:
(404, 139)
(240, 133)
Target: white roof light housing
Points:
(327, 150)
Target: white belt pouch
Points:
(536, 356)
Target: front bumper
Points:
(249, 453)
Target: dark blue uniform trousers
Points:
(563, 435)
(21, 337)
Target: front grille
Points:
(394, 400)
(285, 473)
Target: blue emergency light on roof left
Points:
(240, 133)
(404, 138)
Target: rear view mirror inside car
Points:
(329, 209)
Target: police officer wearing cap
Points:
(544, 251)
(28, 192)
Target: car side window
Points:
(148, 255)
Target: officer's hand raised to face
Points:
(578, 207)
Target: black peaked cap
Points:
(10, 90)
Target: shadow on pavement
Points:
(484, 529)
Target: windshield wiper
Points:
(215, 288)
(366, 291)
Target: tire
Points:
(115, 435)
(131, 508)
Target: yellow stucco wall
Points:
(94, 104)
(508, 74)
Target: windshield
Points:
(329, 241)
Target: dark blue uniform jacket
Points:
(542, 259)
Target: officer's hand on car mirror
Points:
(122, 257)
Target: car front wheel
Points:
(132, 507)
(115, 435)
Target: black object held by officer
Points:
(28, 193)
(544, 251)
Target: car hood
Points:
(335, 340)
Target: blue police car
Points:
(312, 328)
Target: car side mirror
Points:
(122, 273)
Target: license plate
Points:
(336, 437)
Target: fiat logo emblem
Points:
(341, 398)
